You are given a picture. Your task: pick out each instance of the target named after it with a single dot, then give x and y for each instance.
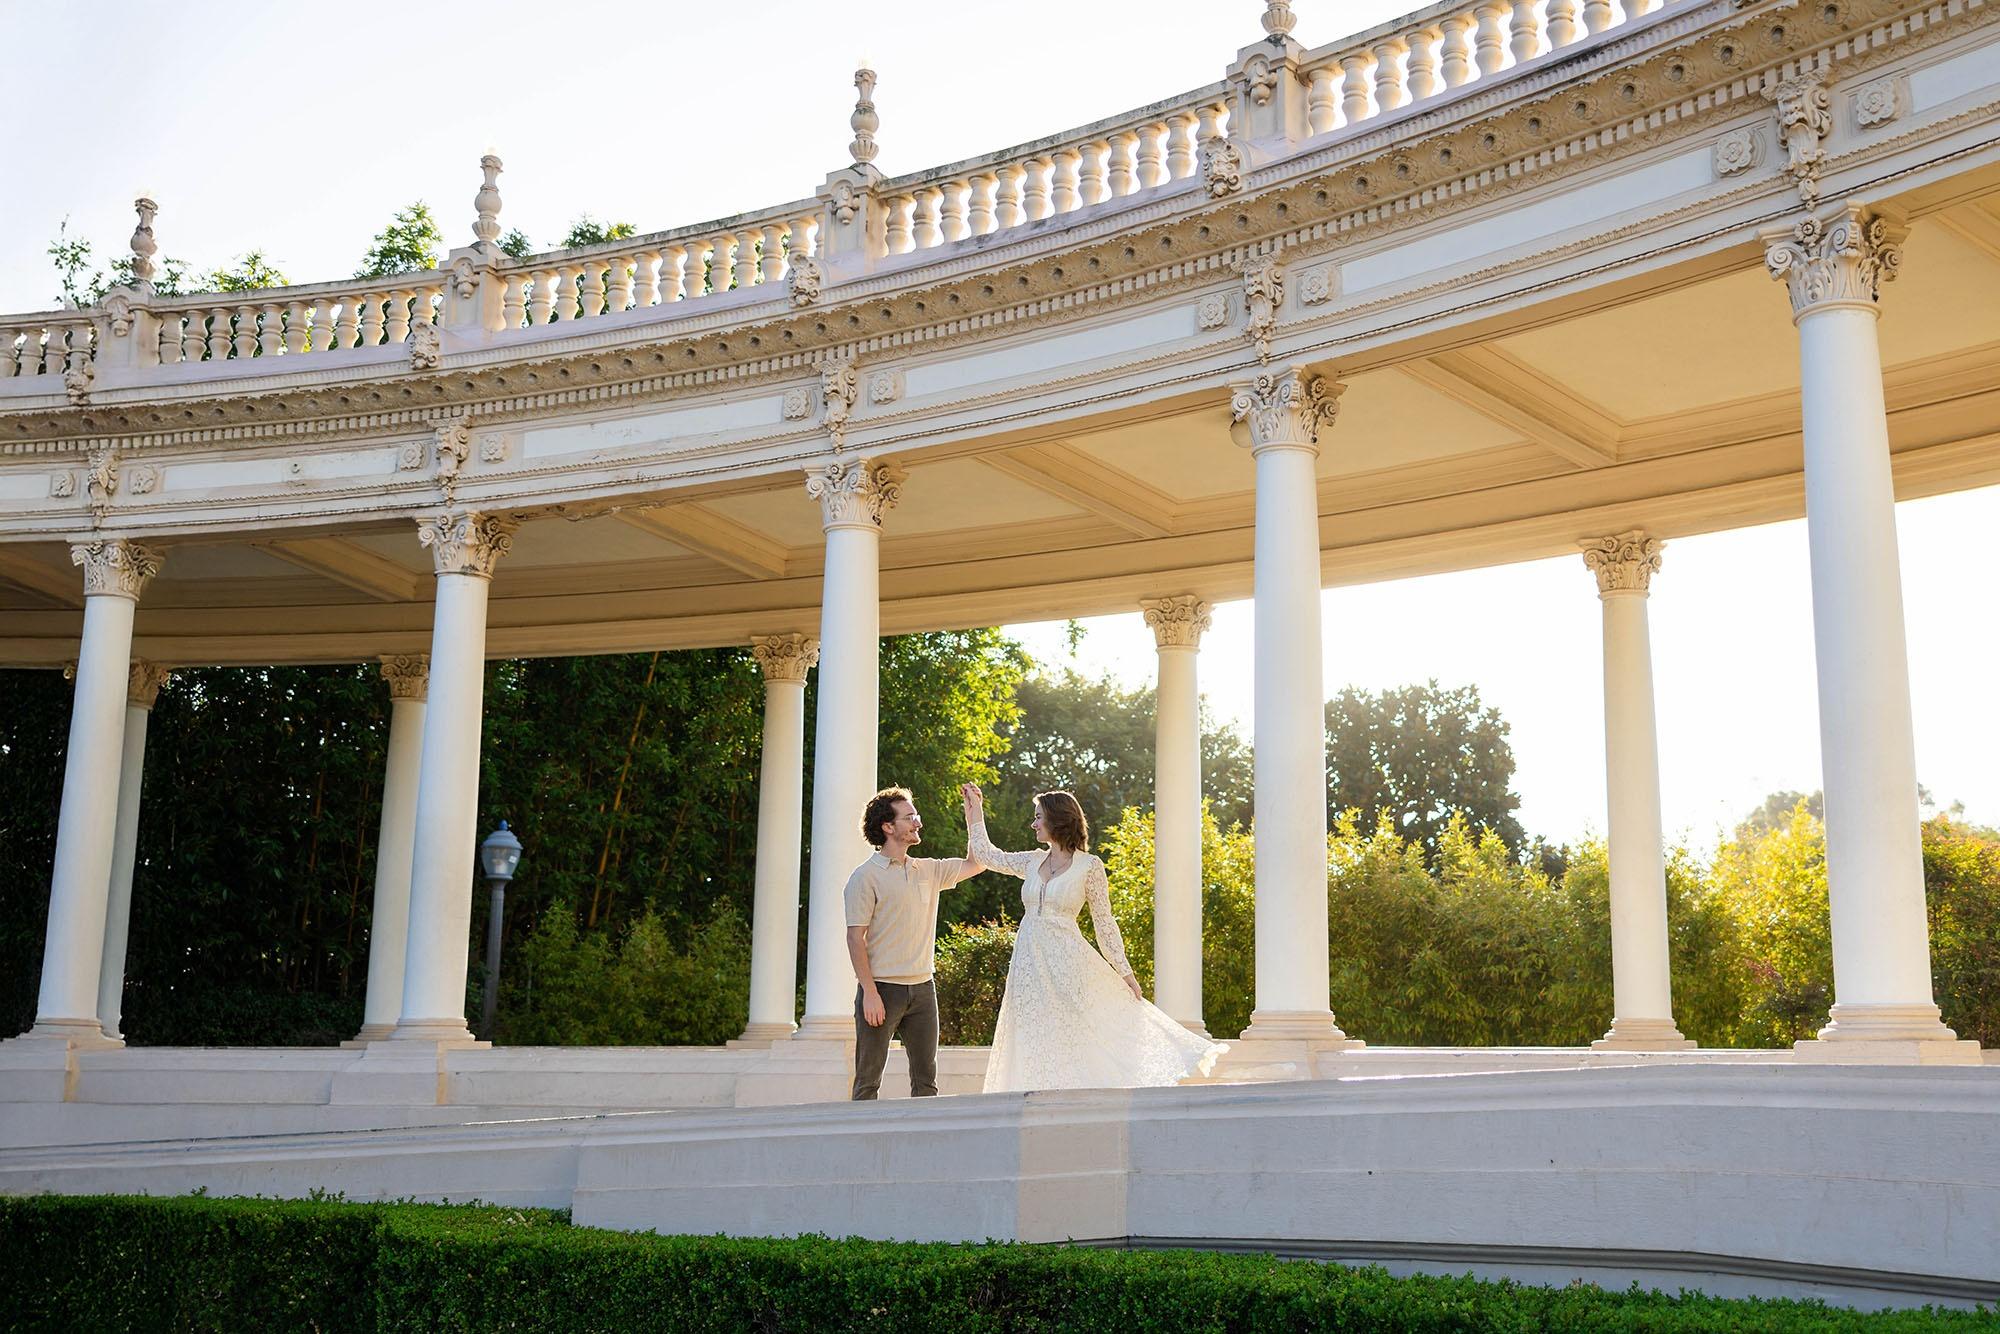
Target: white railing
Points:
(48, 343)
(279, 321)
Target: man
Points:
(892, 907)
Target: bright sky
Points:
(298, 129)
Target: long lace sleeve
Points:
(981, 849)
(1097, 892)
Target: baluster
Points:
(170, 338)
(771, 264)
(1208, 126)
(541, 294)
(951, 215)
(1151, 169)
(79, 350)
(399, 315)
(270, 331)
(1121, 166)
(1035, 188)
(1007, 208)
(619, 282)
(429, 302)
(673, 267)
(1598, 15)
(218, 335)
(804, 237)
(1422, 76)
(1063, 196)
(1639, 8)
(347, 324)
(371, 319)
(1389, 91)
(1489, 40)
(194, 336)
(1561, 23)
(1101, 160)
(896, 233)
(979, 216)
(10, 357)
(294, 341)
(1455, 51)
(55, 352)
(694, 280)
(925, 231)
(1354, 88)
(1180, 145)
(645, 279)
(745, 268)
(1525, 40)
(569, 292)
(1322, 106)
(590, 289)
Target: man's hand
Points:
(1133, 983)
(871, 1007)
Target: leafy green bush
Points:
(1962, 887)
(107, 1262)
(589, 989)
(971, 977)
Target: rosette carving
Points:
(855, 493)
(1842, 261)
(785, 657)
(1624, 563)
(115, 566)
(466, 541)
(1285, 408)
(1178, 622)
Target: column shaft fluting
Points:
(1177, 626)
(774, 929)
(143, 688)
(389, 917)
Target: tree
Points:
(251, 272)
(1416, 754)
(586, 230)
(412, 240)
(516, 245)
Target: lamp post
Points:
(498, 856)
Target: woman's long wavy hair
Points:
(1063, 818)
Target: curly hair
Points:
(1063, 818)
(881, 810)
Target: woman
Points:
(1070, 1018)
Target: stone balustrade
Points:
(45, 344)
(289, 320)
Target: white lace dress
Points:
(1067, 1019)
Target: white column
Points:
(1642, 990)
(1874, 850)
(408, 675)
(1178, 623)
(465, 546)
(774, 925)
(141, 690)
(1279, 416)
(853, 495)
(115, 572)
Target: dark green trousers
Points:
(910, 1013)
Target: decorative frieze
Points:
(142, 688)
(797, 404)
(839, 386)
(1738, 151)
(1178, 622)
(493, 447)
(855, 493)
(100, 480)
(803, 279)
(1805, 118)
(426, 347)
(144, 479)
(1624, 563)
(408, 675)
(1878, 101)
(1263, 293)
(451, 442)
(1319, 284)
(1842, 261)
(62, 485)
(785, 657)
(1212, 311)
(885, 386)
(115, 566)
(466, 541)
(1285, 409)
(1221, 168)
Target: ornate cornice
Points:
(1840, 261)
(1285, 409)
(466, 541)
(408, 675)
(1624, 563)
(115, 566)
(1178, 622)
(785, 658)
(855, 493)
(142, 688)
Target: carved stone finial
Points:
(1278, 21)
(1178, 622)
(1842, 261)
(785, 657)
(839, 387)
(1285, 409)
(1805, 118)
(1624, 563)
(144, 247)
(115, 566)
(466, 541)
(487, 226)
(426, 347)
(803, 276)
(452, 437)
(1263, 292)
(855, 493)
(864, 120)
(408, 675)
(142, 688)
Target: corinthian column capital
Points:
(1624, 563)
(855, 493)
(1838, 261)
(466, 541)
(1178, 622)
(142, 689)
(115, 566)
(408, 675)
(1284, 408)
(785, 657)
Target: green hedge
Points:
(127, 1263)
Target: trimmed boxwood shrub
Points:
(191, 1263)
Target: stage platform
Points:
(1736, 1173)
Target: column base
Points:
(451, 1032)
(825, 1028)
(815, 1064)
(1195, 1026)
(81, 1034)
(762, 1035)
(1281, 1044)
(1886, 1035)
(1643, 1035)
(370, 1033)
